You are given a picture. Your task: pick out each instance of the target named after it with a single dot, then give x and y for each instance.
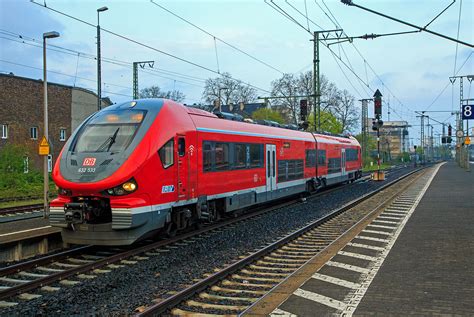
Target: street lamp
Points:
(47, 35)
(99, 92)
(220, 103)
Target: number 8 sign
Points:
(467, 112)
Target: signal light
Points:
(450, 130)
(303, 109)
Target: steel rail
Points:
(14, 290)
(176, 299)
(10, 210)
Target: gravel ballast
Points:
(124, 289)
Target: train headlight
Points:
(129, 186)
(126, 188)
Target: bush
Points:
(13, 181)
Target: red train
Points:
(152, 165)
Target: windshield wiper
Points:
(109, 142)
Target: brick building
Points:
(21, 114)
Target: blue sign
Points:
(467, 112)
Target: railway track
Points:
(79, 264)
(230, 290)
(28, 280)
(10, 214)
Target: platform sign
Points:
(43, 148)
(467, 112)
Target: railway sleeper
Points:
(226, 298)
(237, 291)
(193, 303)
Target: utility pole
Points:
(135, 75)
(365, 129)
(326, 35)
(422, 135)
(459, 125)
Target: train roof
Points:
(230, 126)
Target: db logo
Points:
(89, 161)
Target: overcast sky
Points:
(410, 70)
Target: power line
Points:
(217, 38)
(68, 75)
(64, 50)
(371, 68)
(148, 46)
(445, 87)
(457, 37)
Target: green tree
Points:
(329, 123)
(267, 114)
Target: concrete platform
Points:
(413, 260)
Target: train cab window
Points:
(109, 131)
(181, 146)
(222, 162)
(166, 154)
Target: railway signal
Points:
(378, 103)
(303, 109)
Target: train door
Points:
(343, 163)
(183, 167)
(271, 169)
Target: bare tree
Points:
(231, 90)
(156, 92)
(286, 87)
(345, 111)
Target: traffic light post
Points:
(377, 124)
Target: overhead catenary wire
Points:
(149, 46)
(371, 68)
(64, 50)
(111, 61)
(217, 38)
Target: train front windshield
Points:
(110, 131)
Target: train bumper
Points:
(128, 225)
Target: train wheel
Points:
(171, 230)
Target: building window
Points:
(34, 133)
(4, 131)
(62, 134)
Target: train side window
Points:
(181, 146)
(256, 155)
(322, 157)
(310, 158)
(240, 156)
(222, 156)
(207, 157)
(166, 154)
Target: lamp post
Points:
(99, 89)
(47, 35)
